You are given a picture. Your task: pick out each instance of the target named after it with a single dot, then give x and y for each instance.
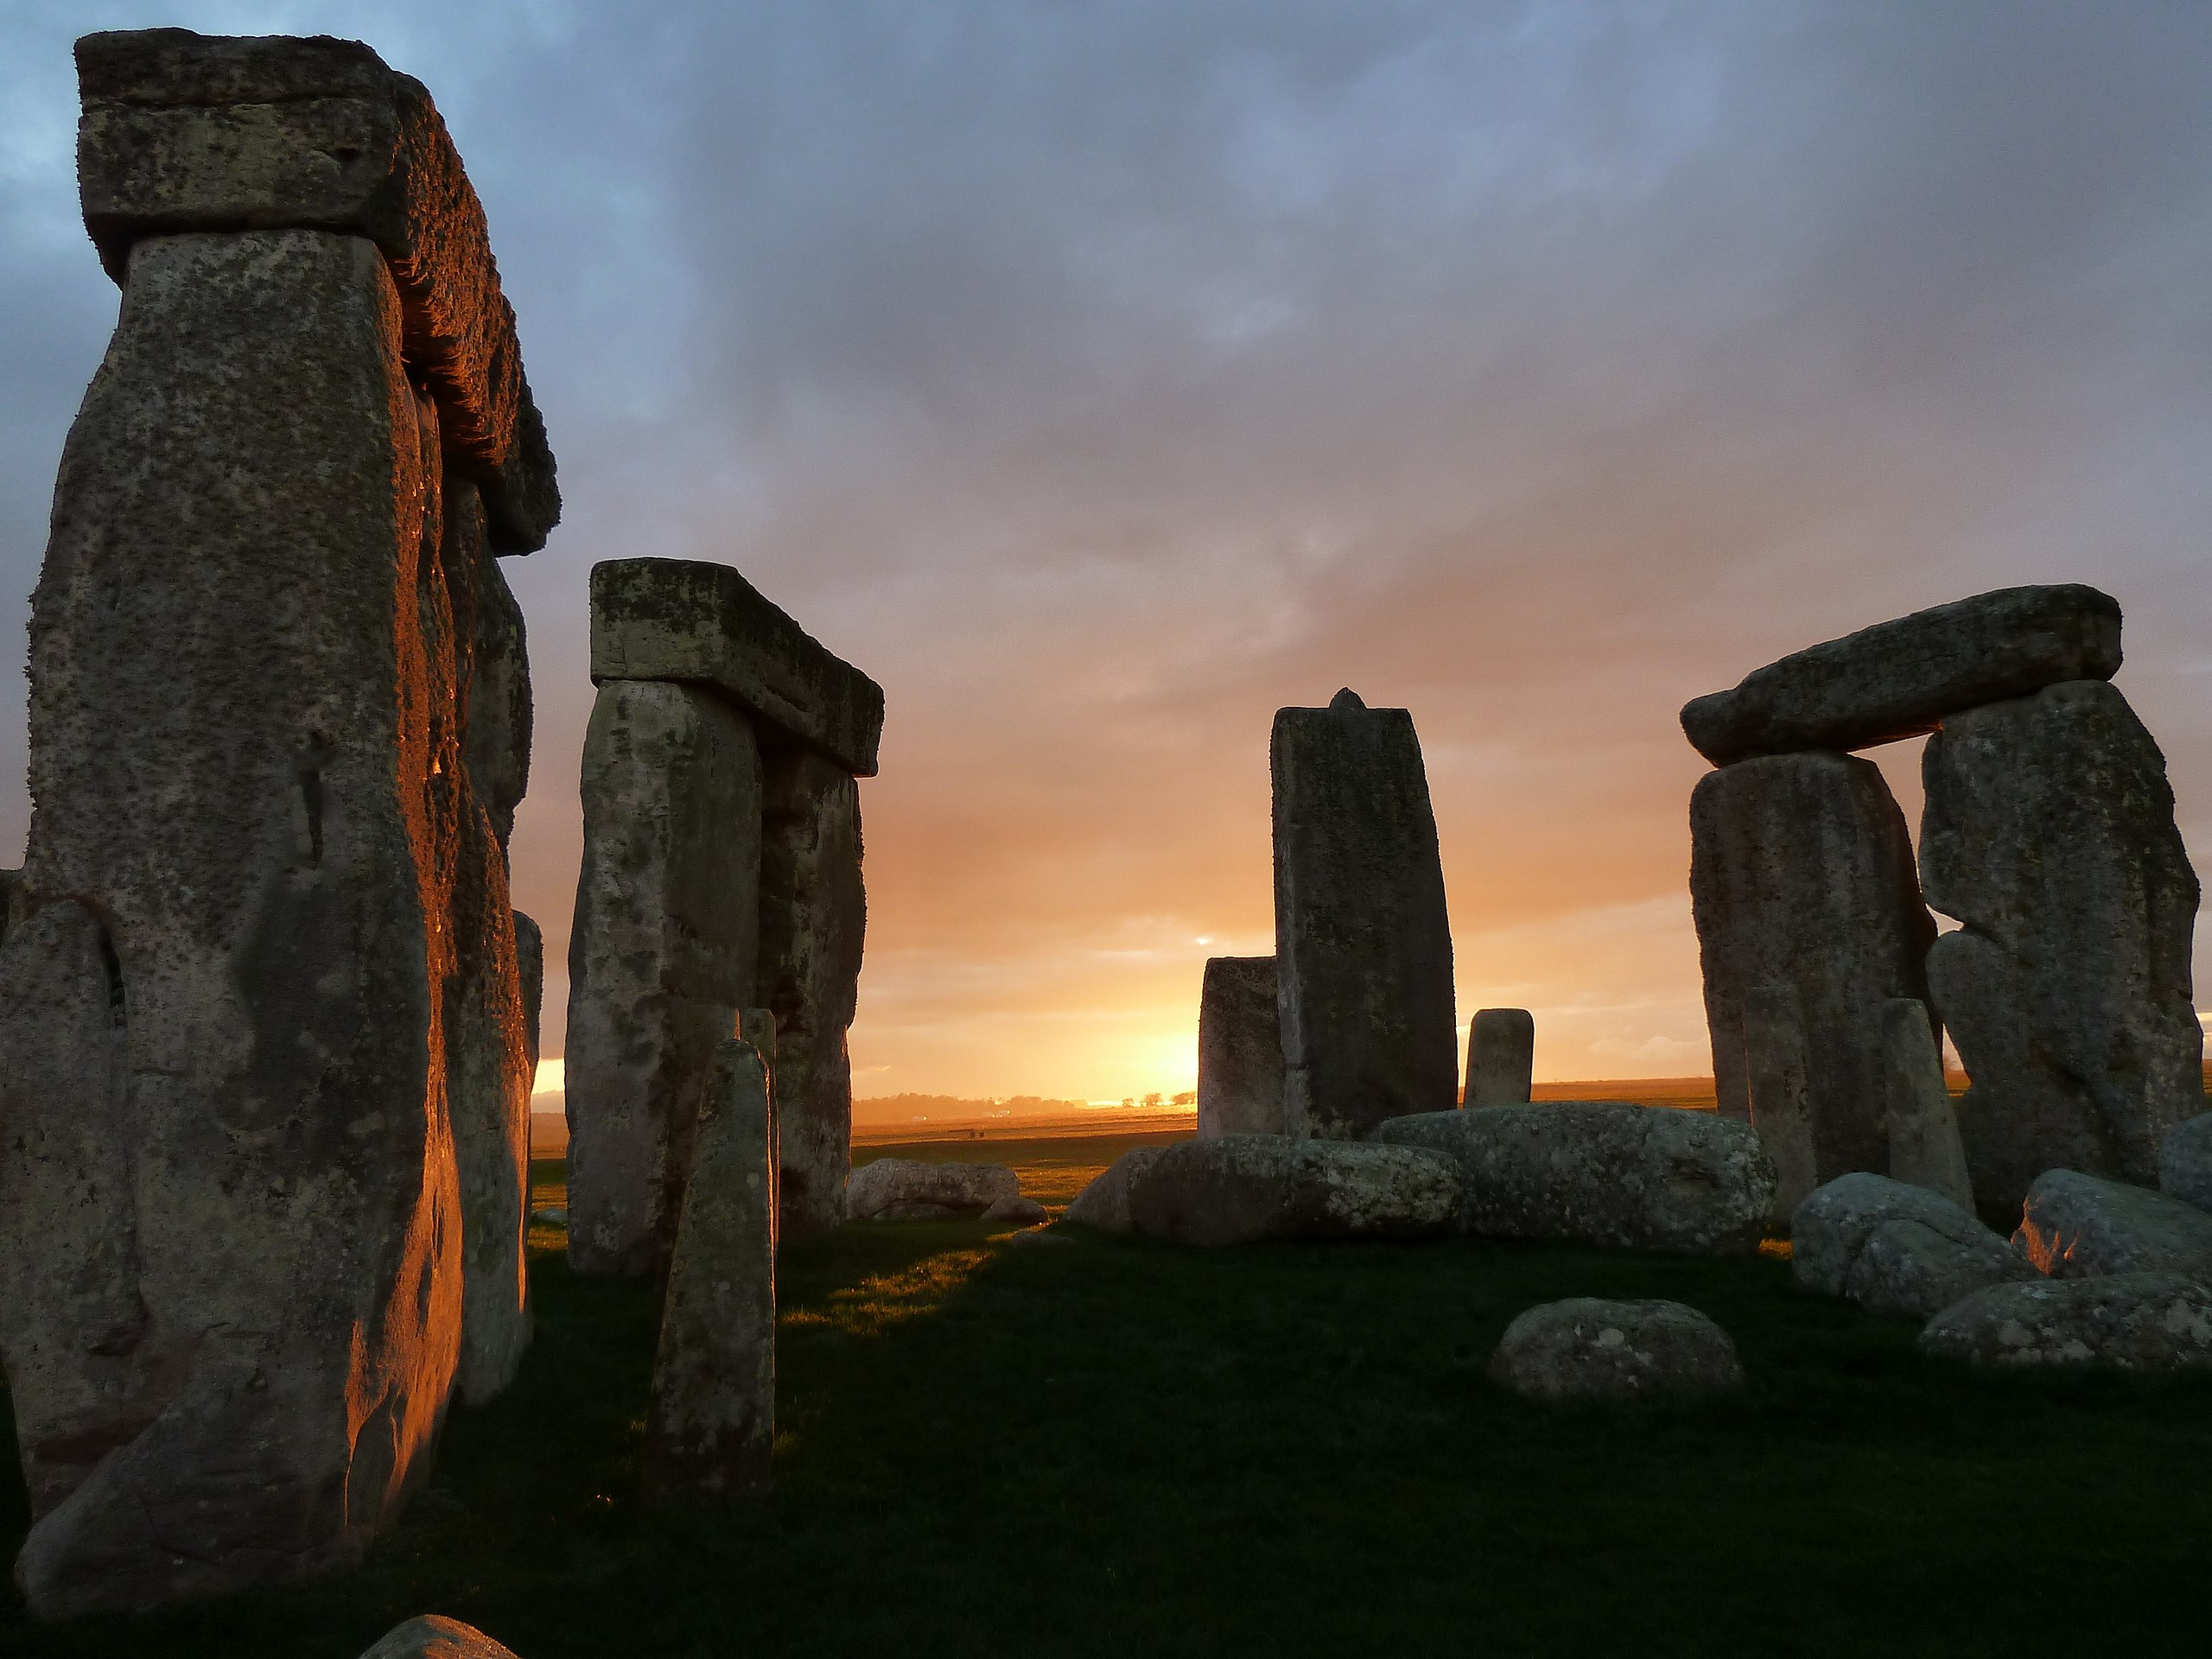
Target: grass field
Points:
(1113, 1447)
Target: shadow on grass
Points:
(1107, 1446)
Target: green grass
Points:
(1116, 1447)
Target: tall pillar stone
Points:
(2049, 833)
(1240, 1049)
(262, 911)
(1925, 1147)
(662, 955)
(1802, 876)
(1363, 947)
(1776, 1073)
(813, 920)
(1501, 1057)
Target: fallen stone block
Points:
(2077, 1226)
(2185, 1162)
(1025, 1212)
(2130, 1321)
(1501, 1057)
(1588, 1349)
(1029, 1236)
(434, 1638)
(1604, 1172)
(1104, 1201)
(874, 1189)
(1894, 1248)
(1240, 1189)
(1240, 1049)
(1905, 677)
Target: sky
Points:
(1101, 378)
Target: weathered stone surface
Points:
(530, 966)
(1029, 1236)
(1242, 1188)
(1105, 1202)
(813, 918)
(495, 694)
(1776, 1068)
(2077, 1226)
(2131, 1321)
(1501, 1057)
(874, 1188)
(243, 731)
(714, 1414)
(703, 624)
(1604, 1172)
(1363, 950)
(2185, 1162)
(664, 952)
(1025, 1212)
(2049, 834)
(1240, 1049)
(1588, 1349)
(1924, 1147)
(1802, 876)
(432, 1637)
(193, 132)
(1894, 1248)
(1904, 679)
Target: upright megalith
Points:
(722, 870)
(1501, 1057)
(2048, 832)
(1363, 947)
(1924, 1146)
(1776, 1072)
(1802, 876)
(262, 1019)
(1240, 1049)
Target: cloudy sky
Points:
(1101, 377)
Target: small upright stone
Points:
(1501, 1057)
(2049, 834)
(1240, 1049)
(1802, 876)
(1924, 1149)
(1362, 946)
(714, 1414)
(1780, 1099)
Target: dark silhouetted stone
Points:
(1904, 679)
(1776, 1068)
(1894, 1248)
(1588, 1349)
(1240, 1049)
(1501, 1057)
(2050, 833)
(1924, 1147)
(2185, 1162)
(434, 1638)
(1361, 943)
(1802, 876)
(1239, 1189)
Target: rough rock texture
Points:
(1501, 1057)
(244, 750)
(713, 1413)
(875, 1187)
(1604, 1172)
(1802, 876)
(2185, 1162)
(1105, 1202)
(498, 711)
(530, 966)
(1775, 1070)
(1904, 679)
(434, 1638)
(813, 916)
(1241, 1188)
(1363, 947)
(1240, 1049)
(1588, 1349)
(1024, 1212)
(1894, 1248)
(663, 953)
(193, 132)
(2131, 1321)
(1925, 1147)
(704, 624)
(2076, 1226)
(2048, 832)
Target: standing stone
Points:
(1924, 1149)
(2049, 834)
(663, 954)
(714, 1412)
(244, 744)
(1802, 876)
(813, 918)
(1240, 1049)
(1362, 946)
(1501, 1057)
(1905, 677)
(1774, 1067)
(498, 711)
(529, 962)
